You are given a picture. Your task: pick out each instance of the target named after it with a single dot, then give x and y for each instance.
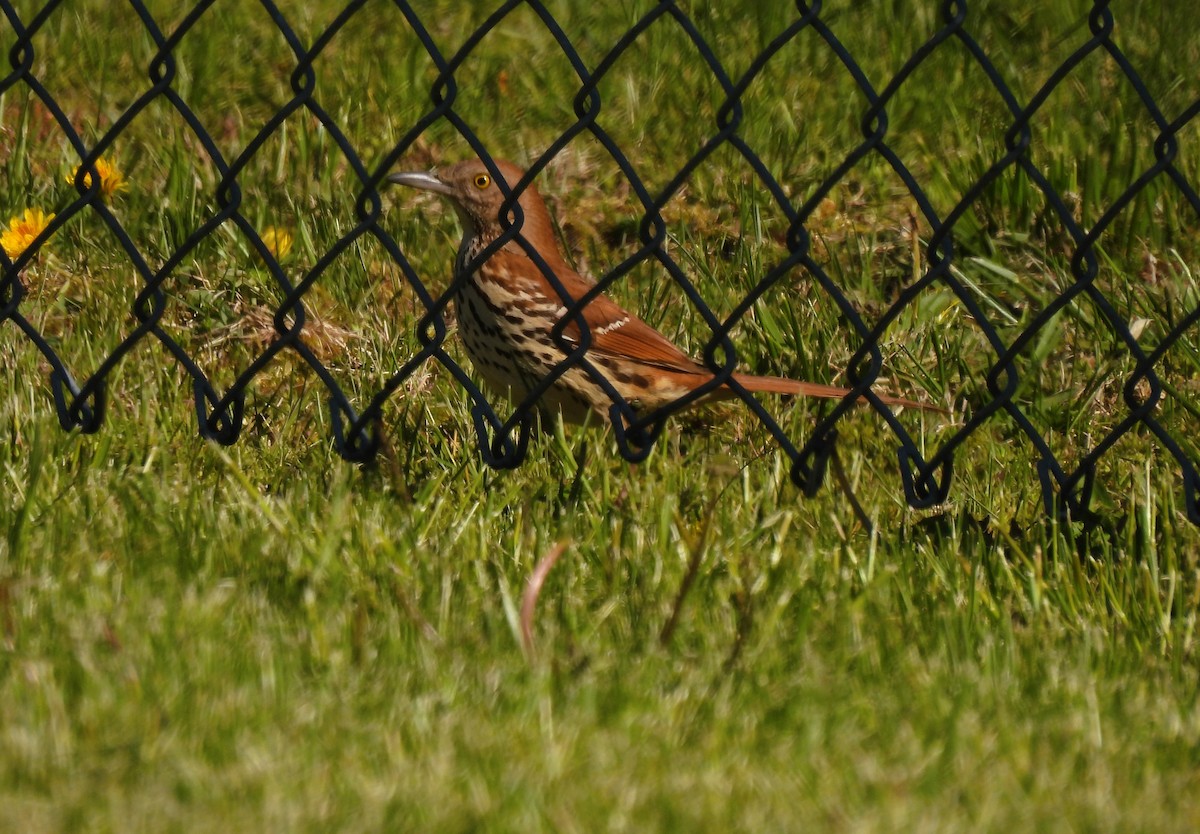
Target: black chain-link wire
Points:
(503, 442)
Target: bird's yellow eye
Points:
(482, 181)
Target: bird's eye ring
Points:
(482, 181)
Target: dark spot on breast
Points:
(620, 372)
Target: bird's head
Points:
(477, 197)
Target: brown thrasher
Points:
(507, 310)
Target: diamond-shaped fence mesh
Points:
(882, 230)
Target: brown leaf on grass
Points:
(256, 327)
(533, 588)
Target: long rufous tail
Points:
(782, 385)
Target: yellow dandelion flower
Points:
(111, 178)
(21, 230)
(278, 241)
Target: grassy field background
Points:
(265, 637)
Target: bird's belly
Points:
(509, 343)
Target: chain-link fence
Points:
(1014, 340)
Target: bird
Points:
(507, 311)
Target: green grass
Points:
(267, 638)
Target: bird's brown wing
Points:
(617, 333)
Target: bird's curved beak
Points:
(421, 179)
